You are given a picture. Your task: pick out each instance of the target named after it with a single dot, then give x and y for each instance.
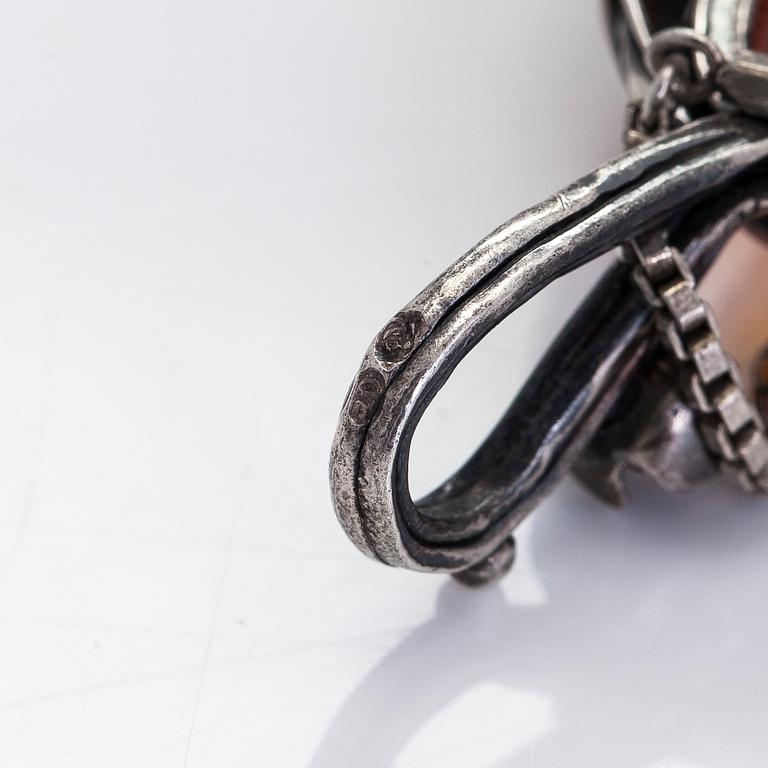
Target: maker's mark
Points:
(397, 340)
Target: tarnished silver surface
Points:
(651, 430)
(474, 513)
(692, 186)
(742, 79)
(632, 23)
(727, 22)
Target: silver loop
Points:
(682, 40)
(698, 83)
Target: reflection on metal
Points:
(727, 22)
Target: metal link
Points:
(697, 83)
(656, 110)
(709, 359)
(729, 424)
(684, 65)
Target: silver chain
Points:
(729, 424)
(684, 64)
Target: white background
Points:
(208, 210)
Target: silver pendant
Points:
(606, 396)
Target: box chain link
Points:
(728, 422)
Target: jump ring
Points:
(681, 40)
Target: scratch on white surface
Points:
(191, 669)
(228, 546)
(16, 734)
(87, 690)
(108, 627)
(182, 541)
(208, 645)
(29, 494)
